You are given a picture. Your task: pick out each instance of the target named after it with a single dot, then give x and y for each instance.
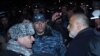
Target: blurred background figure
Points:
(58, 22)
(96, 18)
(94, 44)
(2, 43)
(4, 26)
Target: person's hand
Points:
(56, 15)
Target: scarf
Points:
(16, 47)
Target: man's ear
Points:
(79, 25)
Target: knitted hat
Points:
(20, 30)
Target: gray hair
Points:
(82, 18)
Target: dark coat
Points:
(9, 53)
(95, 46)
(79, 45)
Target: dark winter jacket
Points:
(9, 53)
(79, 45)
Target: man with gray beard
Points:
(81, 33)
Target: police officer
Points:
(48, 42)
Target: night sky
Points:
(9, 4)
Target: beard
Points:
(72, 34)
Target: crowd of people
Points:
(64, 31)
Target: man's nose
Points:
(40, 24)
(32, 38)
(68, 27)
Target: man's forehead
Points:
(73, 17)
(42, 21)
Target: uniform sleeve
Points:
(62, 48)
